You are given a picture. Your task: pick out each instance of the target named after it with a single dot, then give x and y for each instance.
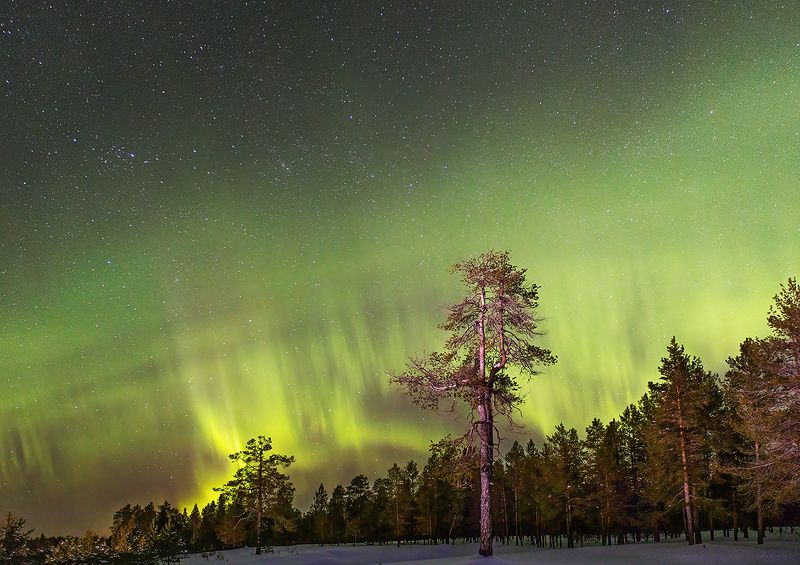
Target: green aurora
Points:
(154, 319)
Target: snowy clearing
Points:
(778, 549)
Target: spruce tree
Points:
(319, 513)
(357, 497)
(379, 526)
(193, 529)
(397, 500)
(337, 514)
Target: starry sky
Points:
(224, 219)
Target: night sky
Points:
(219, 220)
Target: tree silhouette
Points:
(681, 397)
(604, 475)
(633, 459)
(14, 539)
(692, 447)
(90, 548)
(319, 513)
(259, 484)
(401, 503)
(515, 472)
(779, 392)
(357, 497)
(763, 386)
(564, 475)
(492, 329)
(337, 514)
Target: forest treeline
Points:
(698, 453)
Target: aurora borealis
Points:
(220, 220)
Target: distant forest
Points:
(699, 453)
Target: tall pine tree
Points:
(491, 330)
(681, 396)
(259, 483)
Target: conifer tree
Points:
(377, 514)
(536, 498)
(451, 468)
(753, 421)
(681, 397)
(767, 377)
(91, 548)
(500, 501)
(428, 494)
(716, 436)
(357, 497)
(412, 516)
(564, 477)
(603, 473)
(515, 463)
(193, 529)
(402, 490)
(208, 530)
(763, 389)
(337, 514)
(130, 527)
(491, 330)
(397, 500)
(654, 475)
(734, 449)
(319, 513)
(259, 483)
(14, 538)
(139, 534)
(633, 452)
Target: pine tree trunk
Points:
(486, 436)
(259, 502)
(698, 538)
(711, 524)
(570, 543)
(606, 527)
(485, 433)
(759, 503)
(696, 517)
(435, 517)
(603, 528)
(505, 511)
(516, 515)
(687, 500)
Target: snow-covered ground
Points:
(777, 549)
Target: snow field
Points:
(783, 550)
